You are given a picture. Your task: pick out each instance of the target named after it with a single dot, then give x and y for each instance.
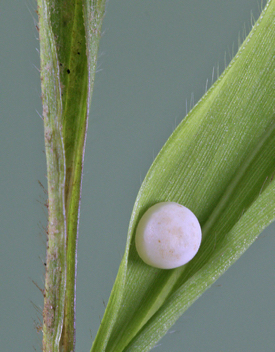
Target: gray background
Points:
(154, 56)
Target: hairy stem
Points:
(69, 39)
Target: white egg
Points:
(168, 235)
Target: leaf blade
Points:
(196, 166)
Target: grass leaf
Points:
(220, 163)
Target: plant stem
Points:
(55, 278)
(68, 65)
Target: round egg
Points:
(168, 235)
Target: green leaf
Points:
(220, 163)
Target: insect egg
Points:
(168, 235)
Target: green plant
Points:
(219, 163)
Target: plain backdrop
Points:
(155, 60)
